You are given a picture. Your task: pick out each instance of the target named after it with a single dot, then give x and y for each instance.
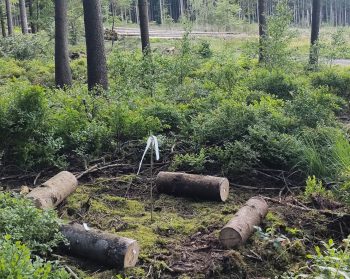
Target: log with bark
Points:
(241, 226)
(52, 192)
(105, 248)
(194, 186)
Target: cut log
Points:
(194, 186)
(237, 231)
(52, 192)
(105, 248)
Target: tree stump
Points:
(194, 186)
(105, 248)
(238, 230)
(52, 192)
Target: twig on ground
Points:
(36, 178)
(305, 208)
(71, 272)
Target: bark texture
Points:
(144, 30)
(63, 73)
(105, 248)
(9, 17)
(54, 191)
(315, 31)
(194, 186)
(241, 226)
(31, 16)
(23, 14)
(2, 21)
(96, 58)
(262, 28)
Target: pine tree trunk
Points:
(63, 74)
(143, 14)
(23, 14)
(262, 29)
(9, 17)
(315, 31)
(94, 34)
(37, 14)
(160, 12)
(181, 2)
(3, 27)
(31, 17)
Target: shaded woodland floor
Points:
(182, 240)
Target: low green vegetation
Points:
(25, 230)
(214, 111)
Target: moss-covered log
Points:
(52, 192)
(105, 248)
(194, 186)
(237, 231)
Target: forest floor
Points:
(182, 239)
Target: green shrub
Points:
(78, 68)
(168, 115)
(275, 46)
(37, 229)
(16, 262)
(274, 82)
(26, 138)
(328, 262)
(189, 162)
(39, 73)
(233, 158)
(10, 69)
(204, 49)
(25, 47)
(314, 107)
(337, 81)
(315, 187)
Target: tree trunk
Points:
(37, 15)
(113, 8)
(315, 31)
(54, 191)
(143, 14)
(181, 11)
(63, 74)
(94, 34)
(262, 29)
(2, 21)
(237, 231)
(105, 248)
(23, 14)
(160, 12)
(31, 17)
(9, 17)
(194, 186)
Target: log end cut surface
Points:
(241, 226)
(224, 189)
(230, 238)
(131, 255)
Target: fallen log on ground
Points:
(105, 248)
(237, 231)
(52, 192)
(195, 186)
